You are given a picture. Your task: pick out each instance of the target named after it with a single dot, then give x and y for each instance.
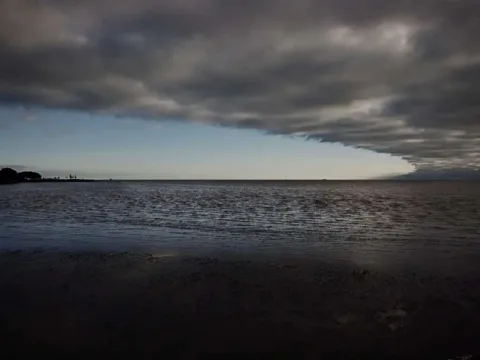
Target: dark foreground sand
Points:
(166, 307)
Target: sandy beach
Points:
(187, 307)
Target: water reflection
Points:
(366, 221)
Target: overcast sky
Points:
(385, 85)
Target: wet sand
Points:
(187, 307)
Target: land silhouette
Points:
(11, 176)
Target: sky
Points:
(59, 143)
(239, 89)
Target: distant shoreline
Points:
(232, 181)
(59, 180)
(47, 181)
(11, 176)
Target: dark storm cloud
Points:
(398, 77)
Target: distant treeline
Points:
(10, 176)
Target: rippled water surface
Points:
(364, 220)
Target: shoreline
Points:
(58, 303)
(47, 181)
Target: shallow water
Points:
(366, 222)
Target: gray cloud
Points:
(397, 77)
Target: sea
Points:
(366, 222)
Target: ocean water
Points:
(366, 222)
